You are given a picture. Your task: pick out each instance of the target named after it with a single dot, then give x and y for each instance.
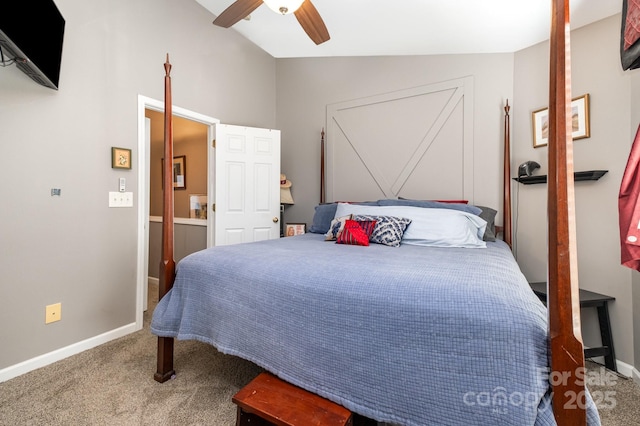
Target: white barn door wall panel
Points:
(246, 184)
(414, 143)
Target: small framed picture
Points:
(579, 122)
(179, 172)
(292, 229)
(120, 158)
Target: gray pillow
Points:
(489, 215)
(322, 218)
(430, 204)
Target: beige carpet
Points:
(113, 385)
(617, 397)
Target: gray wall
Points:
(596, 70)
(306, 86)
(73, 249)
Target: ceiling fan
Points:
(304, 10)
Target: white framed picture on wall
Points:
(198, 206)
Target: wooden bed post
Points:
(165, 369)
(506, 200)
(322, 189)
(567, 352)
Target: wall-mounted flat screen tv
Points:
(31, 33)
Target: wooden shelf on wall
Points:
(577, 176)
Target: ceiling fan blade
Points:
(312, 23)
(237, 11)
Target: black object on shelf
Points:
(577, 176)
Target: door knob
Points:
(275, 219)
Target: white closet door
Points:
(247, 184)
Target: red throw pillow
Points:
(356, 232)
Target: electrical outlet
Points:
(53, 313)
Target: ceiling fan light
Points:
(284, 6)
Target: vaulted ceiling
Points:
(412, 27)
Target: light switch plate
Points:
(120, 199)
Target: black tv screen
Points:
(32, 31)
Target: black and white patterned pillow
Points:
(389, 229)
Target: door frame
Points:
(144, 158)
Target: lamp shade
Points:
(284, 6)
(285, 190)
(285, 196)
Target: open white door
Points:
(246, 184)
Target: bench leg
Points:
(248, 419)
(359, 420)
(607, 338)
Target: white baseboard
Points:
(51, 357)
(625, 369)
(636, 376)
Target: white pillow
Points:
(429, 226)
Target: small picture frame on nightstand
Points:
(292, 229)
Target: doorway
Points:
(148, 109)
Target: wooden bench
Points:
(590, 299)
(267, 400)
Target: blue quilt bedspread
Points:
(408, 335)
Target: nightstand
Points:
(590, 299)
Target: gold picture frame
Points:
(580, 122)
(120, 158)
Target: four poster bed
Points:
(440, 329)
